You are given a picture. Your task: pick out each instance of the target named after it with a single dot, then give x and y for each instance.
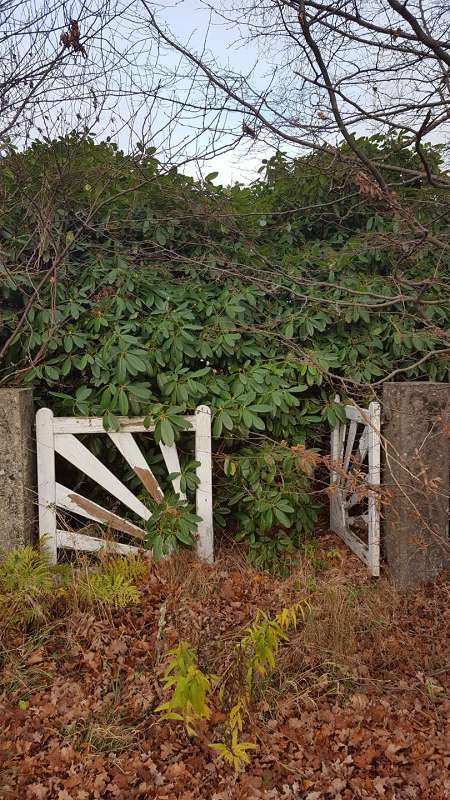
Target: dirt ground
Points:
(358, 705)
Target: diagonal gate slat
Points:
(68, 446)
(350, 442)
(77, 504)
(363, 444)
(170, 456)
(126, 445)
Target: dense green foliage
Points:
(171, 525)
(150, 293)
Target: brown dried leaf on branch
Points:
(307, 460)
(248, 131)
(71, 39)
(367, 186)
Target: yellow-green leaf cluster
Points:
(236, 753)
(108, 589)
(25, 583)
(190, 689)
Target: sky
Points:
(128, 39)
(191, 21)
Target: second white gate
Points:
(355, 481)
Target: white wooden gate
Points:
(59, 435)
(354, 504)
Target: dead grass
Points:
(361, 634)
(23, 668)
(365, 635)
(197, 580)
(329, 632)
(101, 735)
(358, 630)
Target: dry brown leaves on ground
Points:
(358, 707)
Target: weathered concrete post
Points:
(17, 469)
(416, 479)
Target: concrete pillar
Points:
(416, 480)
(17, 469)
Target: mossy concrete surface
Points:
(18, 499)
(416, 480)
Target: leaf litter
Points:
(358, 705)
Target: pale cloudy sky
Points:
(196, 25)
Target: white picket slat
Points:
(79, 425)
(205, 546)
(355, 414)
(363, 444)
(355, 544)
(77, 454)
(77, 504)
(350, 444)
(335, 439)
(46, 482)
(127, 446)
(335, 504)
(374, 478)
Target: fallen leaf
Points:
(359, 701)
(35, 658)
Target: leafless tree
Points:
(321, 72)
(93, 68)
(329, 72)
(44, 68)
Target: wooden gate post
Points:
(17, 469)
(416, 480)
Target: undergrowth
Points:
(112, 583)
(231, 664)
(25, 582)
(193, 691)
(31, 588)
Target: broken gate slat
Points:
(353, 500)
(68, 446)
(92, 544)
(354, 543)
(77, 504)
(127, 446)
(343, 495)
